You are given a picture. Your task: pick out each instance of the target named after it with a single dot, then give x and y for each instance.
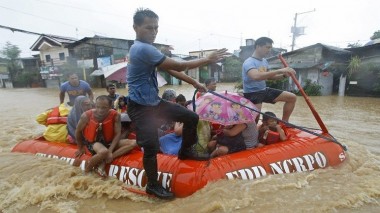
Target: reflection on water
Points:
(32, 184)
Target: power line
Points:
(83, 9)
(46, 19)
(108, 13)
(122, 16)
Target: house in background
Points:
(204, 72)
(60, 54)
(95, 53)
(53, 49)
(5, 81)
(320, 63)
(366, 82)
(54, 52)
(26, 73)
(191, 72)
(30, 67)
(98, 52)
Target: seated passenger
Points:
(181, 100)
(251, 135)
(229, 140)
(99, 130)
(81, 104)
(121, 104)
(270, 130)
(55, 120)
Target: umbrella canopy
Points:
(226, 111)
(116, 72)
(119, 76)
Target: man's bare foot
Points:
(100, 171)
(77, 162)
(88, 166)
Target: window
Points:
(62, 56)
(47, 57)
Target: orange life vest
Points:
(93, 126)
(54, 117)
(269, 137)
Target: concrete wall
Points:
(327, 82)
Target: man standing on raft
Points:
(144, 104)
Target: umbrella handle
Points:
(315, 113)
(193, 102)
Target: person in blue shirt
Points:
(74, 88)
(255, 73)
(146, 108)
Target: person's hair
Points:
(169, 95)
(122, 98)
(268, 115)
(110, 85)
(180, 98)
(104, 98)
(263, 41)
(72, 73)
(140, 15)
(209, 81)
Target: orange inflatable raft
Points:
(302, 152)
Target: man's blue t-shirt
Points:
(142, 75)
(82, 89)
(250, 85)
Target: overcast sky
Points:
(196, 24)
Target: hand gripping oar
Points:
(316, 115)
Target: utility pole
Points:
(297, 31)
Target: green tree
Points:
(232, 69)
(375, 35)
(353, 65)
(11, 52)
(310, 88)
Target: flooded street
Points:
(32, 184)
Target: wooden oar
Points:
(315, 113)
(136, 191)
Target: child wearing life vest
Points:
(270, 131)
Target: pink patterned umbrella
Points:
(225, 110)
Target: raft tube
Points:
(302, 152)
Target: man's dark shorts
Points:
(91, 148)
(267, 96)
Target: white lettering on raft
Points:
(129, 175)
(298, 164)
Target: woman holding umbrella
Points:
(234, 112)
